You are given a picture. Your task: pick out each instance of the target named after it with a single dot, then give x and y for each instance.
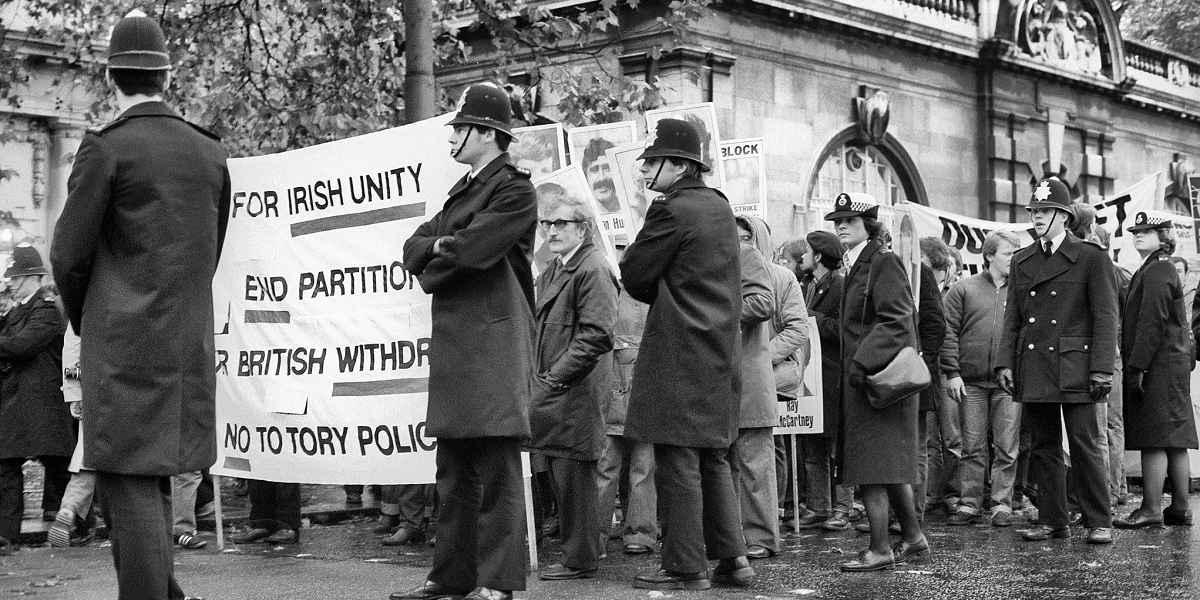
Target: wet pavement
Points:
(345, 560)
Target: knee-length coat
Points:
(1155, 341)
(34, 420)
(878, 446)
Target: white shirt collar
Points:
(29, 297)
(566, 258)
(853, 253)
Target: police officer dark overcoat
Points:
(134, 255)
(34, 420)
(482, 294)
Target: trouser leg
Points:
(454, 558)
(751, 463)
(972, 469)
(287, 505)
(262, 503)
(1006, 441)
(55, 479)
(677, 477)
(924, 466)
(183, 499)
(641, 510)
(1047, 470)
(1115, 425)
(577, 496)
(1088, 441)
(77, 500)
(950, 424)
(12, 499)
(389, 500)
(138, 510)
(723, 535)
(410, 504)
(608, 482)
(500, 548)
(816, 470)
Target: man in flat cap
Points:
(134, 253)
(1056, 358)
(473, 257)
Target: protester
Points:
(575, 313)
(1114, 417)
(1057, 355)
(34, 420)
(183, 507)
(639, 517)
(1189, 286)
(274, 514)
(1157, 353)
(684, 264)
(752, 455)
(940, 416)
(974, 309)
(878, 445)
(71, 527)
(402, 513)
(472, 256)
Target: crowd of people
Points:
(658, 383)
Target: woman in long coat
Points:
(1156, 350)
(878, 446)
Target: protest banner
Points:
(589, 146)
(322, 336)
(1194, 197)
(704, 117)
(805, 413)
(539, 149)
(569, 182)
(631, 190)
(744, 164)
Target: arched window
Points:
(883, 170)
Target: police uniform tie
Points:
(1047, 249)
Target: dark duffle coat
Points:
(575, 314)
(1060, 322)
(481, 357)
(1156, 341)
(878, 446)
(34, 420)
(824, 299)
(684, 264)
(134, 254)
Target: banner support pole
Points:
(217, 512)
(530, 526)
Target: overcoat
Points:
(575, 313)
(627, 339)
(931, 328)
(878, 446)
(134, 253)
(759, 405)
(1155, 340)
(684, 264)
(34, 420)
(481, 354)
(824, 299)
(1060, 322)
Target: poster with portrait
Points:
(704, 117)
(588, 146)
(567, 183)
(539, 149)
(745, 169)
(631, 190)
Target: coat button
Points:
(1032, 292)
(1032, 320)
(1053, 322)
(1053, 293)
(1031, 346)
(1085, 346)
(1051, 348)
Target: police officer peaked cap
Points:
(25, 261)
(1146, 221)
(853, 205)
(485, 105)
(137, 42)
(1051, 192)
(675, 138)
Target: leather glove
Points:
(1133, 379)
(1100, 386)
(445, 246)
(1004, 377)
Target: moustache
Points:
(603, 184)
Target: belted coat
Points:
(1156, 341)
(1060, 322)
(134, 253)
(575, 313)
(34, 420)
(481, 355)
(878, 319)
(684, 264)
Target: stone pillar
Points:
(64, 141)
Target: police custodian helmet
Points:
(485, 105)
(137, 43)
(675, 138)
(1051, 192)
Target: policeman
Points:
(133, 255)
(473, 258)
(685, 265)
(1056, 357)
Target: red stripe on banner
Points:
(370, 217)
(234, 463)
(381, 387)
(268, 316)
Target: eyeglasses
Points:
(557, 225)
(745, 237)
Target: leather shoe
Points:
(757, 552)
(1042, 533)
(483, 593)
(637, 549)
(862, 526)
(283, 536)
(387, 525)
(1100, 535)
(963, 518)
(1177, 517)
(838, 522)
(562, 572)
(903, 552)
(733, 571)
(1002, 518)
(402, 536)
(670, 580)
(867, 562)
(1137, 520)
(6, 547)
(427, 591)
(257, 534)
